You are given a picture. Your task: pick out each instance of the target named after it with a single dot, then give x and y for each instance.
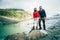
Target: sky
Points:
(51, 7)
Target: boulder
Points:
(18, 36)
(36, 34)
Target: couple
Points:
(38, 17)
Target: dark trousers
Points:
(43, 20)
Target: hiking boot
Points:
(44, 29)
(39, 28)
(33, 28)
(36, 28)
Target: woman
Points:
(36, 17)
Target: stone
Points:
(36, 34)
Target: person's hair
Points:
(40, 7)
(35, 9)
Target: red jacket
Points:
(36, 15)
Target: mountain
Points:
(19, 13)
(13, 15)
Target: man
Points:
(43, 16)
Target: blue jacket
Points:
(42, 13)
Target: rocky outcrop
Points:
(34, 35)
(18, 36)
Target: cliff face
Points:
(17, 13)
(11, 16)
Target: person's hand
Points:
(46, 18)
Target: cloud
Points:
(15, 3)
(24, 4)
(51, 6)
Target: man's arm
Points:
(44, 13)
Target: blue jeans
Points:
(43, 20)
